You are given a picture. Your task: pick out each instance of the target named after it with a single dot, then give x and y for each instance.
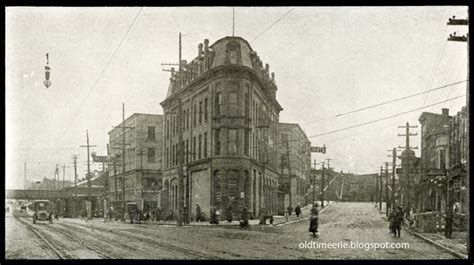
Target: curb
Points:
(452, 252)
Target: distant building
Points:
(230, 130)
(457, 167)
(143, 160)
(293, 144)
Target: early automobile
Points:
(41, 211)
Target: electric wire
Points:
(402, 98)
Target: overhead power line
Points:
(105, 67)
(402, 98)
(385, 118)
(273, 24)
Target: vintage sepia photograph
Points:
(237, 133)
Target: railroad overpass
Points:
(65, 193)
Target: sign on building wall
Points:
(317, 149)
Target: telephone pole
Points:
(289, 165)
(387, 203)
(74, 160)
(408, 160)
(89, 199)
(314, 182)
(380, 190)
(123, 162)
(394, 164)
(452, 37)
(64, 174)
(376, 195)
(322, 186)
(141, 154)
(56, 177)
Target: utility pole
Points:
(329, 170)
(376, 195)
(289, 166)
(64, 174)
(314, 182)
(387, 203)
(123, 162)
(322, 186)
(89, 191)
(408, 159)
(394, 164)
(141, 154)
(380, 190)
(56, 177)
(74, 160)
(452, 37)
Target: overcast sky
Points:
(327, 60)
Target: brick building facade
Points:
(295, 144)
(230, 130)
(143, 159)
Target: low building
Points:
(143, 161)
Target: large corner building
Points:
(230, 135)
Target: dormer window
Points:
(233, 55)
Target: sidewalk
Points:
(456, 245)
(278, 220)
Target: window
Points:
(246, 143)
(167, 129)
(233, 56)
(172, 156)
(200, 112)
(205, 144)
(218, 142)
(232, 141)
(151, 155)
(233, 103)
(187, 150)
(194, 148)
(200, 144)
(167, 156)
(195, 114)
(218, 103)
(151, 132)
(174, 126)
(205, 110)
(246, 102)
(187, 119)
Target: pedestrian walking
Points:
(157, 213)
(313, 220)
(198, 213)
(289, 210)
(50, 217)
(214, 213)
(298, 210)
(397, 221)
(449, 223)
(185, 215)
(229, 213)
(244, 220)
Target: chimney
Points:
(445, 111)
(206, 53)
(273, 77)
(199, 50)
(267, 70)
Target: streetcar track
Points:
(89, 246)
(144, 238)
(80, 228)
(60, 253)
